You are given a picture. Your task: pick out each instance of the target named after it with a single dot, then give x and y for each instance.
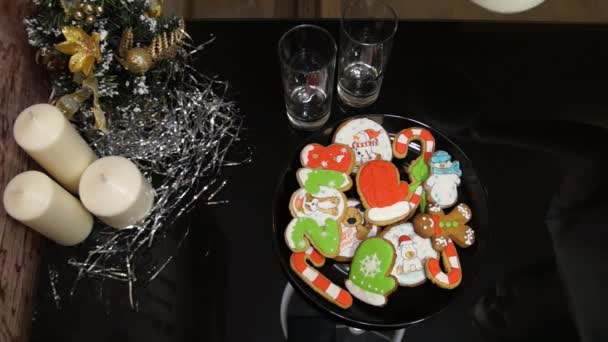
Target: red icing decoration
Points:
(334, 157)
(379, 184)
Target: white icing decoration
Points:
(324, 163)
(469, 236)
(365, 148)
(392, 212)
(423, 249)
(363, 295)
(370, 266)
(464, 211)
(441, 241)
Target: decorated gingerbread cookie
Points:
(313, 179)
(441, 186)
(316, 280)
(441, 227)
(319, 206)
(336, 157)
(369, 279)
(367, 139)
(412, 251)
(422, 135)
(354, 230)
(444, 230)
(386, 198)
(302, 232)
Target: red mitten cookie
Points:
(386, 198)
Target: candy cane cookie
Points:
(452, 277)
(316, 280)
(403, 138)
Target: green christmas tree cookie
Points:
(369, 279)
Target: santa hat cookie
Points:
(335, 157)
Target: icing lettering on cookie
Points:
(441, 186)
(313, 179)
(336, 157)
(369, 279)
(411, 252)
(301, 232)
(386, 198)
(367, 138)
(422, 135)
(316, 280)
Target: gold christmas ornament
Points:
(78, 15)
(138, 60)
(83, 48)
(69, 104)
(99, 10)
(90, 20)
(88, 9)
(155, 8)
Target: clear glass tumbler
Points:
(367, 31)
(308, 60)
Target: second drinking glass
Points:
(367, 31)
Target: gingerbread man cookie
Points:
(442, 229)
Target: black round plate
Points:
(405, 306)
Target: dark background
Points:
(526, 102)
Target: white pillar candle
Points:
(508, 6)
(49, 138)
(43, 205)
(114, 190)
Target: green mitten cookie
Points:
(301, 232)
(369, 279)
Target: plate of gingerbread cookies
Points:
(379, 221)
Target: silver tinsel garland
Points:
(181, 144)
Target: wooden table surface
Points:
(22, 85)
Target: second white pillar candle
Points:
(114, 190)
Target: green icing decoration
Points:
(441, 224)
(419, 171)
(371, 266)
(454, 224)
(319, 177)
(326, 239)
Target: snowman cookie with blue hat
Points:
(442, 185)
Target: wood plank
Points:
(22, 85)
(590, 11)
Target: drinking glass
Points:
(367, 31)
(307, 55)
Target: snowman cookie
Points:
(411, 252)
(366, 138)
(354, 230)
(370, 277)
(441, 186)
